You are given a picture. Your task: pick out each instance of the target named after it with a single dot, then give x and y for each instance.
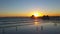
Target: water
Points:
(29, 26)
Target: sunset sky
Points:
(29, 7)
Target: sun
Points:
(36, 15)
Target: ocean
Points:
(29, 26)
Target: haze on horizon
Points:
(28, 7)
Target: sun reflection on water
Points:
(38, 25)
(36, 22)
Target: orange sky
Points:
(29, 7)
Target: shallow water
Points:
(29, 26)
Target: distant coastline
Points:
(26, 16)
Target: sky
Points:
(28, 7)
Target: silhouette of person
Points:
(41, 27)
